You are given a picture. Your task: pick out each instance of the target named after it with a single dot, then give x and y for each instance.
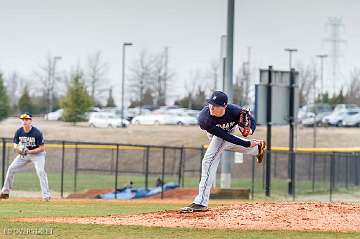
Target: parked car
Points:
(168, 118)
(154, 119)
(310, 118)
(56, 115)
(132, 112)
(336, 118)
(340, 107)
(352, 120)
(88, 114)
(312, 108)
(106, 120)
(184, 119)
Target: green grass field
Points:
(16, 208)
(28, 181)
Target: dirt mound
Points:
(179, 193)
(90, 193)
(339, 217)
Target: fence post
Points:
(332, 175)
(62, 170)
(252, 178)
(201, 159)
(76, 166)
(313, 172)
(183, 168)
(293, 174)
(347, 171)
(163, 173)
(357, 170)
(3, 161)
(116, 170)
(147, 168)
(180, 165)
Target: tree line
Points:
(150, 81)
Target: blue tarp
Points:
(131, 192)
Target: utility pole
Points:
(52, 82)
(322, 57)
(291, 51)
(335, 24)
(166, 61)
(292, 124)
(223, 60)
(228, 156)
(124, 45)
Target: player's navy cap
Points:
(218, 98)
(25, 116)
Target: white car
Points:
(336, 118)
(308, 120)
(169, 119)
(56, 115)
(352, 120)
(184, 119)
(106, 120)
(154, 119)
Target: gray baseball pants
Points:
(19, 162)
(210, 163)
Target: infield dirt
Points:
(291, 216)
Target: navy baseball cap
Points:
(25, 116)
(218, 98)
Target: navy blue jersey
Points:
(32, 140)
(221, 126)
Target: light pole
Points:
(290, 50)
(52, 82)
(125, 44)
(322, 57)
(292, 124)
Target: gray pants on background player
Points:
(210, 164)
(20, 161)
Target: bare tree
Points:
(141, 77)
(49, 80)
(162, 77)
(213, 75)
(307, 83)
(353, 94)
(15, 85)
(193, 83)
(96, 71)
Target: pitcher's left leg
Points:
(39, 162)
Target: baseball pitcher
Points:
(29, 145)
(220, 119)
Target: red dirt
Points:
(179, 193)
(309, 216)
(90, 193)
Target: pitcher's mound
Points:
(341, 217)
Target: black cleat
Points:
(4, 196)
(193, 207)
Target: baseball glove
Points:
(22, 150)
(244, 122)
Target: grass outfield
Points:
(28, 208)
(28, 181)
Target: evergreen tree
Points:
(110, 101)
(25, 103)
(4, 100)
(77, 101)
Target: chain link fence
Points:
(78, 166)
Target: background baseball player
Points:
(29, 144)
(220, 119)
